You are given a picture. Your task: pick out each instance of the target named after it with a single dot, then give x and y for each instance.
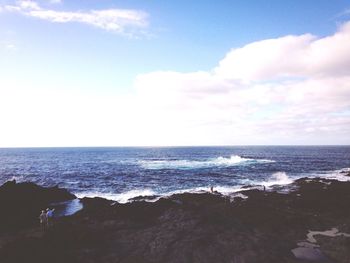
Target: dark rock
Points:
(205, 227)
(21, 203)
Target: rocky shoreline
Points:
(271, 226)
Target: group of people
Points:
(46, 217)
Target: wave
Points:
(17, 178)
(279, 178)
(126, 197)
(339, 175)
(194, 164)
(225, 190)
(276, 179)
(122, 198)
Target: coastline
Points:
(271, 226)
(277, 179)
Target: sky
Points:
(174, 73)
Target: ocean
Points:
(127, 172)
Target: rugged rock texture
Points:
(21, 203)
(194, 228)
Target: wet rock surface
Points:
(265, 227)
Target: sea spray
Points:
(340, 175)
(279, 178)
(119, 197)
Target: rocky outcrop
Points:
(21, 203)
(265, 227)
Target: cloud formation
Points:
(290, 56)
(121, 21)
(287, 90)
(292, 89)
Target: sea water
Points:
(123, 173)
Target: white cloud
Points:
(293, 89)
(290, 56)
(122, 21)
(288, 90)
(265, 59)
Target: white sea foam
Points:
(194, 164)
(279, 178)
(227, 190)
(126, 197)
(121, 197)
(340, 175)
(17, 178)
(238, 195)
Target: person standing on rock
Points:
(43, 219)
(49, 216)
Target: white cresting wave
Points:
(120, 198)
(193, 164)
(339, 175)
(279, 178)
(276, 179)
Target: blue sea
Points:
(123, 173)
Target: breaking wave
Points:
(192, 164)
(121, 197)
(339, 175)
(279, 178)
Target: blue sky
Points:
(86, 61)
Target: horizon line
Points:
(169, 146)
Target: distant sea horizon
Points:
(121, 173)
(173, 146)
